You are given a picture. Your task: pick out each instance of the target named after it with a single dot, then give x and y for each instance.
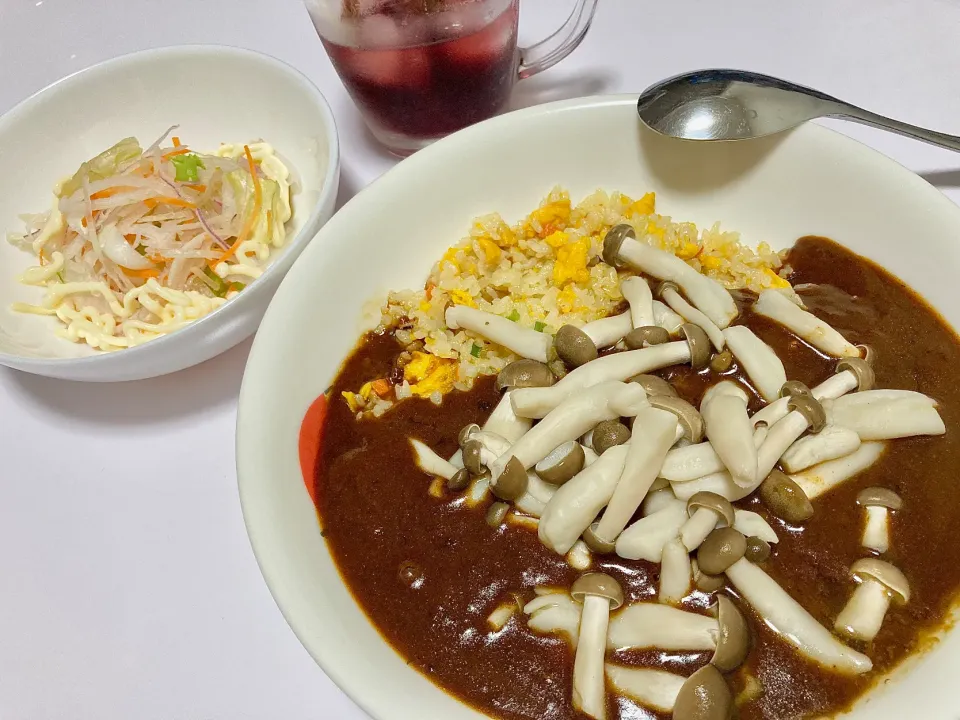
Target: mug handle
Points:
(548, 52)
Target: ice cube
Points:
(484, 47)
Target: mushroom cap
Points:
(558, 369)
(811, 409)
(466, 433)
(664, 286)
(722, 361)
(721, 549)
(471, 457)
(705, 582)
(687, 415)
(699, 345)
(867, 353)
(512, 482)
(879, 497)
(758, 550)
(712, 501)
(704, 696)
(793, 388)
(885, 574)
(612, 242)
(785, 499)
(654, 385)
(524, 373)
(733, 639)
(597, 543)
(607, 434)
(645, 335)
(597, 584)
(460, 480)
(866, 379)
(562, 463)
(574, 346)
(497, 513)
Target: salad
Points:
(140, 242)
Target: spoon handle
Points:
(865, 117)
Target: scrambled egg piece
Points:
(490, 249)
(428, 374)
(571, 264)
(644, 206)
(462, 297)
(775, 280)
(567, 299)
(552, 216)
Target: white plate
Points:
(811, 181)
(215, 94)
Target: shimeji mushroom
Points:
(729, 430)
(657, 500)
(636, 291)
(654, 385)
(580, 558)
(786, 617)
(645, 336)
(758, 360)
(574, 346)
(525, 342)
(785, 499)
(676, 573)
(816, 480)
(733, 637)
(753, 525)
(568, 421)
(646, 538)
(535, 498)
(782, 310)
(694, 349)
(554, 612)
(704, 696)
(608, 331)
(655, 433)
(562, 463)
(693, 462)
(878, 502)
(722, 548)
(666, 318)
(620, 248)
(879, 584)
(650, 625)
(829, 444)
(670, 294)
(599, 594)
(577, 502)
(608, 434)
(886, 414)
(707, 511)
(806, 413)
(431, 463)
(653, 689)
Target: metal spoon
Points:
(738, 105)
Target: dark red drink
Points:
(419, 76)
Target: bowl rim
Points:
(257, 521)
(300, 240)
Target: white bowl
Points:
(811, 181)
(215, 94)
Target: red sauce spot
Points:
(310, 437)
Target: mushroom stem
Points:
(878, 415)
(753, 525)
(653, 437)
(646, 538)
(609, 331)
(721, 482)
(666, 318)
(696, 529)
(650, 625)
(876, 533)
(831, 388)
(684, 464)
(654, 689)
(728, 427)
(571, 419)
(862, 616)
(636, 291)
(779, 308)
(538, 402)
(431, 463)
(676, 573)
(689, 313)
(580, 558)
(829, 444)
(504, 422)
(525, 342)
(780, 437)
(709, 296)
(816, 480)
(554, 613)
(576, 503)
(538, 494)
(786, 617)
(589, 691)
(758, 361)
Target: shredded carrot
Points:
(148, 273)
(173, 153)
(179, 202)
(130, 238)
(199, 187)
(176, 141)
(43, 257)
(108, 192)
(83, 221)
(248, 225)
(381, 387)
(429, 290)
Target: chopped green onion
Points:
(475, 350)
(514, 315)
(539, 326)
(60, 275)
(186, 167)
(217, 284)
(238, 286)
(142, 249)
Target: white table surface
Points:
(127, 585)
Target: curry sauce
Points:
(428, 572)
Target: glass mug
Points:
(421, 69)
